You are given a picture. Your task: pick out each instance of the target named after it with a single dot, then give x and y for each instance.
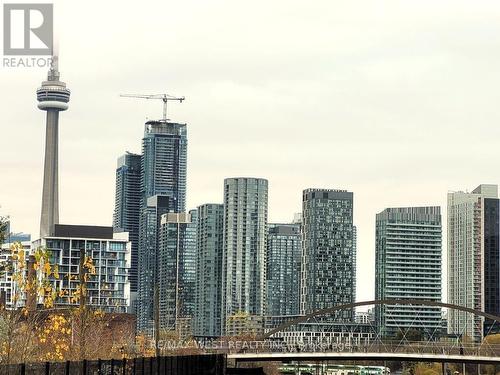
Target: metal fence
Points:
(172, 365)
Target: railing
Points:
(477, 350)
(171, 365)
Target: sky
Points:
(396, 101)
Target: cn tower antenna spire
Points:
(53, 97)
(54, 69)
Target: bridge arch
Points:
(388, 301)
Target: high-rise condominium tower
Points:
(328, 251)
(473, 259)
(284, 255)
(128, 206)
(163, 177)
(209, 270)
(408, 266)
(53, 97)
(177, 268)
(147, 278)
(244, 264)
(164, 149)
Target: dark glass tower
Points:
(147, 278)
(283, 269)
(128, 206)
(163, 177)
(491, 263)
(329, 251)
(164, 150)
(177, 269)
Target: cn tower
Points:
(53, 97)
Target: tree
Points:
(145, 346)
(19, 338)
(410, 335)
(492, 342)
(4, 224)
(493, 339)
(427, 369)
(34, 329)
(89, 324)
(54, 337)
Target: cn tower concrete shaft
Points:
(53, 97)
(50, 195)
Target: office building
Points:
(128, 206)
(244, 247)
(177, 269)
(328, 252)
(408, 266)
(473, 260)
(209, 270)
(284, 255)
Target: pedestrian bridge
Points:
(434, 346)
(362, 356)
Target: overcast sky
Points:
(396, 101)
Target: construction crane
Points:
(164, 97)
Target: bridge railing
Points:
(407, 347)
(434, 348)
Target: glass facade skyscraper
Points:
(473, 251)
(491, 219)
(177, 268)
(164, 149)
(150, 218)
(128, 206)
(328, 251)
(188, 266)
(209, 270)
(284, 255)
(408, 266)
(163, 177)
(244, 248)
